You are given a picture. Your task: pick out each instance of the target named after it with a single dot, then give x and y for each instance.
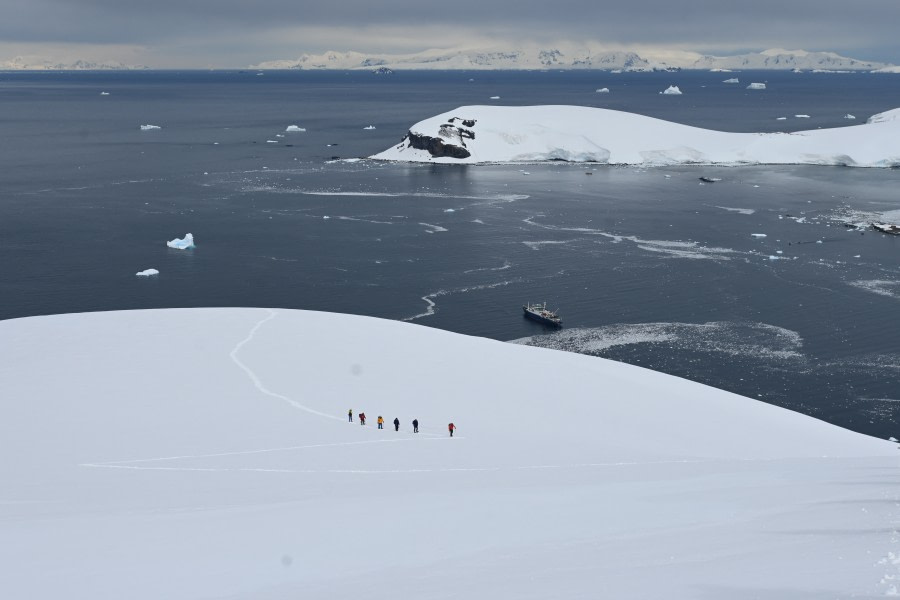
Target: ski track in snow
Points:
(256, 381)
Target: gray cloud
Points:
(204, 31)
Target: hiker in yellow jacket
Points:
(380, 422)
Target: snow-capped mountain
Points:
(20, 63)
(573, 57)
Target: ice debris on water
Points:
(849, 116)
(603, 90)
(672, 90)
(369, 127)
(756, 86)
(147, 273)
(801, 116)
(104, 93)
(150, 127)
(295, 129)
(732, 80)
(182, 244)
(495, 97)
(758, 235)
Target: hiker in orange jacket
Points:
(380, 422)
(452, 428)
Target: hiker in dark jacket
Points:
(415, 426)
(350, 415)
(396, 424)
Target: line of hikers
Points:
(415, 422)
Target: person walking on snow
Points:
(380, 422)
(452, 428)
(350, 415)
(415, 426)
(362, 418)
(396, 424)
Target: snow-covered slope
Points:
(472, 134)
(206, 453)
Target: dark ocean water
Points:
(647, 266)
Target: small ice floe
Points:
(892, 439)
(147, 273)
(756, 86)
(495, 97)
(369, 127)
(104, 93)
(779, 252)
(271, 141)
(295, 129)
(818, 241)
(856, 255)
(849, 116)
(667, 176)
(182, 244)
(732, 80)
(603, 91)
(616, 71)
(281, 135)
(525, 173)
(758, 235)
(449, 210)
(801, 116)
(706, 179)
(150, 127)
(326, 217)
(781, 118)
(773, 257)
(672, 90)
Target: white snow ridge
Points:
(182, 243)
(192, 454)
(492, 134)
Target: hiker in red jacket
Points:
(452, 428)
(362, 418)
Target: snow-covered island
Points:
(207, 453)
(491, 134)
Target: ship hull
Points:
(541, 319)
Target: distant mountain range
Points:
(22, 64)
(522, 58)
(575, 58)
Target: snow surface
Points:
(672, 90)
(206, 453)
(147, 273)
(576, 133)
(182, 243)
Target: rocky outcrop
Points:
(436, 146)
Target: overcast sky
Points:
(237, 33)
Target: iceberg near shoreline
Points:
(499, 134)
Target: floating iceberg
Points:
(603, 91)
(801, 116)
(672, 90)
(756, 86)
(295, 129)
(732, 80)
(369, 127)
(149, 127)
(147, 273)
(182, 244)
(758, 235)
(486, 134)
(849, 116)
(104, 93)
(495, 97)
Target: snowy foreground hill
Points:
(206, 453)
(474, 134)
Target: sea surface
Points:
(646, 266)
